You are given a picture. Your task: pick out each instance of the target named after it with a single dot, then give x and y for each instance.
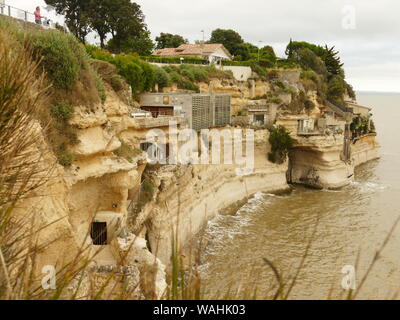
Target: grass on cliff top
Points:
(187, 76)
(70, 81)
(143, 76)
(63, 59)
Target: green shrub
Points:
(65, 158)
(61, 134)
(161, 77)
(236, 63)
(62, 112)
(127, 152)
(309, 60)
(175, 77)
(117, 83)
(147, 186)
(138, 74)
(174, 60)
(272, 74)
(272, 157)
(309, 105)
(194, 73)
(308, 74)
(350, 91)
(188, 85)
(336, 88)
(279, 84)
(99, 86)
(275, 100)
(261, 71)
(281, 142)
(62, 56)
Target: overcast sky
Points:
(369, 45)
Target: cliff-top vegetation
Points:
(68, 76)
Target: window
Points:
(259, 118)
(98, 233)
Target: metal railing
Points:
(165, 114)
(24, 15)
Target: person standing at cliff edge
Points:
(38, 17)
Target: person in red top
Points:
(38, 17)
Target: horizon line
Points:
(373, 91)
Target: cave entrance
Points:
(259, 119)
(98, 233)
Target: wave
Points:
(368, 186)
(226, 227)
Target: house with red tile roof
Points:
(213, 52)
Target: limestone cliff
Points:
(103, 183)
(188, 196)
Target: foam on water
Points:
(365, 187)
(225, 227)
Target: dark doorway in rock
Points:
(148, 245)
(98, 233)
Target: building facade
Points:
(201, 110)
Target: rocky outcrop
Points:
(365, 149)
(317, 162)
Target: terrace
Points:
(23, 15)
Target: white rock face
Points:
(365, 149)
(316, 162)
(133, 249)
(189, 196)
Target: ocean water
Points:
(340, 228)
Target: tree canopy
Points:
(305, 53)
(232, 40)
(169, 40)
(77, 13)
(325, 62)
(122, 19)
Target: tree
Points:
(77, 13)
(141, 44)
(168, 40)
(329, 56)
(99, 18)
(242, 52)
(126, 21)
(309, 60)
(336, 88)
(267, 53)
(281, 142)
(230, 39)
(332, 61)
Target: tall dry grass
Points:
(26, 165)
(22, 158)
